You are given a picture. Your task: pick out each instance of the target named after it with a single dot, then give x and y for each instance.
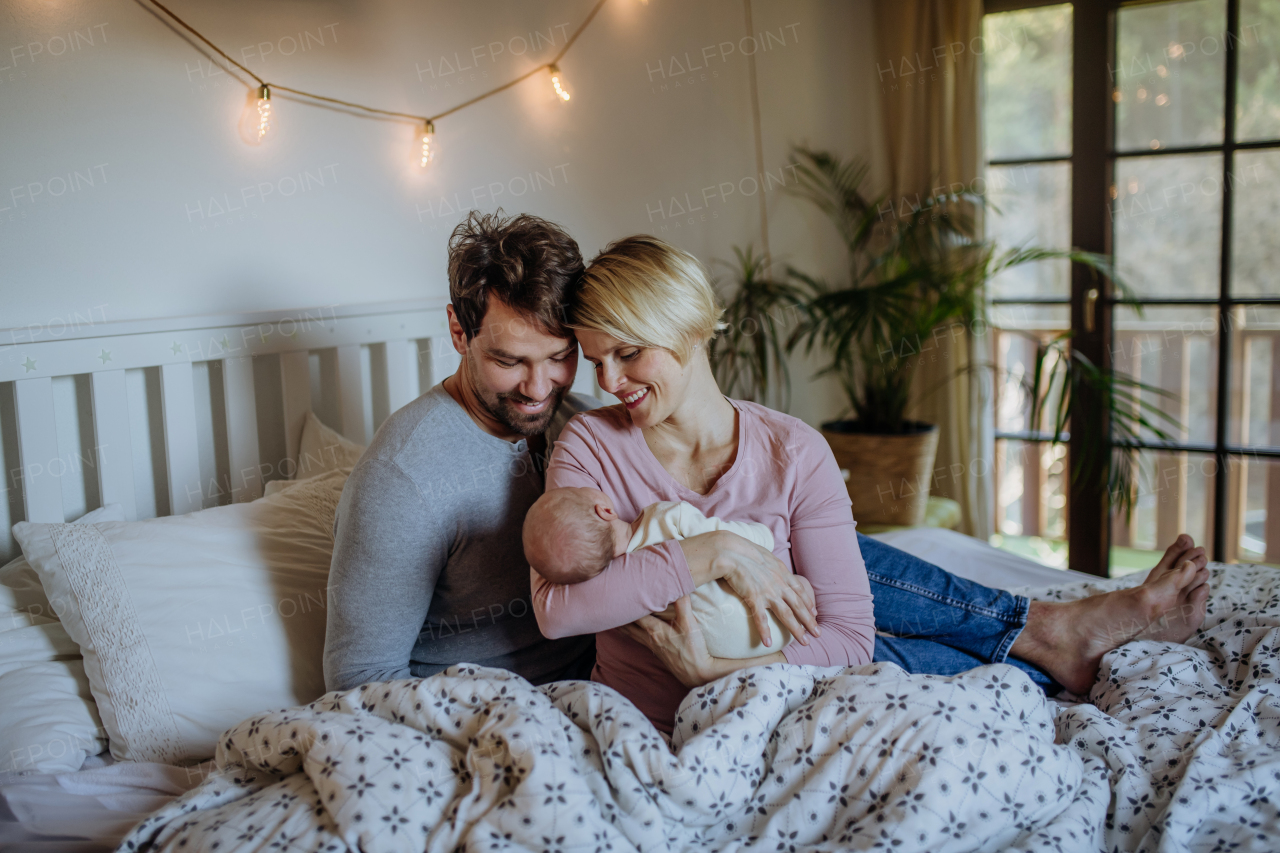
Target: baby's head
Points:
(570, 535)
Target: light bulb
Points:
(555, 83)
(427, 133)
(264, 112)
(257, 117)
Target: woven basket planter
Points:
(889, 475)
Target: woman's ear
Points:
(606, 512)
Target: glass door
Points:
(1196, 165)
(1149, 131)
(1027, 88)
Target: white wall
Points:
(121, 162)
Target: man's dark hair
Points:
(528, 263)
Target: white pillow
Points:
(189, 624)
(321, 450)
(48, 722)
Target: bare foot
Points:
(1068, 639)
(1183, 548)
(1181, 621)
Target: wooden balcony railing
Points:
(1175, 487)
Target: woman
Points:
(645, 314)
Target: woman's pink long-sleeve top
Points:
(783, 476)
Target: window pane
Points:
(1027, 75)
(1254, 239)
(1169, 74)
(1255, 370)
(1030, 205)
(1258, 87)
(1253, 510)
(1016, 329)
(1167, 218)
(1174, 349)
(1173, 493)
(1031, 500)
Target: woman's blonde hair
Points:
(648, 293)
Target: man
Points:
(428, 568)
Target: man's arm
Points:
(388, 554)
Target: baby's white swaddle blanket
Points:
(725, 622)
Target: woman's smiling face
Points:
(649, 381)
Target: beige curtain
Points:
(930, 79)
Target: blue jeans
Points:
(941, 624)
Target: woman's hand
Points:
(759, 578)
(679, 644)
(682, 648)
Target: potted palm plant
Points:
(907, 278)
(749, 356)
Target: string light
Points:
(256, 120)
(555, 83)
(428, 135)
(264, 111)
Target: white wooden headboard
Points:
(169, 416)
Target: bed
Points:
(224, 441)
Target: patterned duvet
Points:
(1178, 751)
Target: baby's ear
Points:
(606, 512)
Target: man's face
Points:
(519, 372)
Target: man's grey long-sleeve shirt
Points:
(428, 566)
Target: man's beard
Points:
(501, 407)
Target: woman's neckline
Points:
(740, 432)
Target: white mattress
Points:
(975, 560)
(92, 809)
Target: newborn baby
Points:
(571, 535)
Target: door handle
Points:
(1090, 307)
